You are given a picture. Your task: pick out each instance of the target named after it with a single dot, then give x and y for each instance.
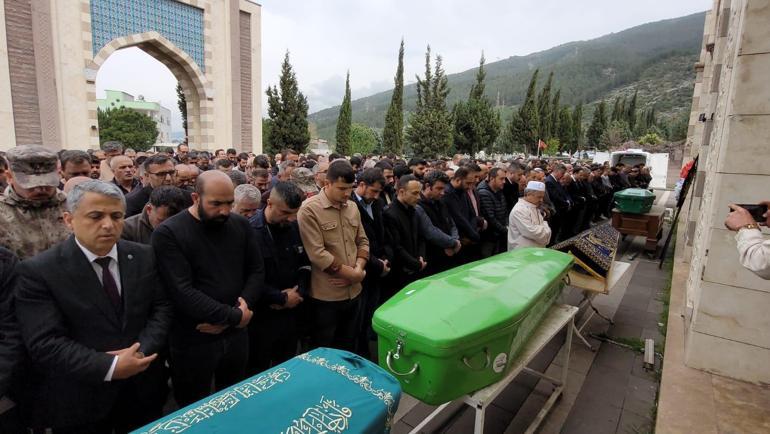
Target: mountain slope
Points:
(655, 58)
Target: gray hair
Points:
(112, 146)
(237, 177)
(247, 191)
(94, 186)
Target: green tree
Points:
(650, 139)
(598, 125)
(553, 147)
(132, 128)
(267, 139)
(430, 127)
(524, 123)
(544, 109)
(363, 139)
(555, 114)
(181, 102)
(631, 114)
(476, 123)
(576, 141)
(393, 134)
(564, 132)
(287, 108)
(344, 121)
(615, 134)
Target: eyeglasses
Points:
(170, 173)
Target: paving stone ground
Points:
(608, 391)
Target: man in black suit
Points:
(93, 316)
(560, 199)
(469, 225)
(403, 234)
(370, 185)
(11, 349)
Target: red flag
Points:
(541, 144)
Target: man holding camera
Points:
(753, 248)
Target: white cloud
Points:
(328, 38)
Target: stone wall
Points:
(728, 321)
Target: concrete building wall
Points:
(729, 326)
(48, 68)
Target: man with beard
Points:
(275, 330)
(389, 190)
(31, 207)
(366, 195)
(213, 271)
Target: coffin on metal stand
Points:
(558, 317)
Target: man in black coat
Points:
(560, 199)
(214, 273)
(493, 208)
(442, 240)
(370, 184)
(158, 170)
(511, 188)
(11, 350)
(93, 316)
(275, 329)
(403, 235)
(461, 209)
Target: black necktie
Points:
(108, 283)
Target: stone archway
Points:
(196, 88)
(51, 51)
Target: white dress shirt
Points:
(115, 271)
(754, 251)
(527, 227)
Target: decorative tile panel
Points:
(180, 23)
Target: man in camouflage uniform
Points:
(31, 206)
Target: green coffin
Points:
(456, 332)
(634, 200)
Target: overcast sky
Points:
(327, 38)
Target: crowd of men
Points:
(126, 275)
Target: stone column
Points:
(729, 333)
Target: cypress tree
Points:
(344, 122)
(393, 134)
(555, 115)
(598, 125)
(476, 123)
(544, 110)
(430, 127)
(631, 116)
(616, 110)
(577, 126)
(564, 131)
(524, 127)
(287, 108)
(181, 102)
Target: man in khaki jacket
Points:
(336, 243)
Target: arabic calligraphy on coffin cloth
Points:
(593, 249)
(322, 391)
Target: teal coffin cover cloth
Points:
(322, 391)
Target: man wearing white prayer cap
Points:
(526, 225)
